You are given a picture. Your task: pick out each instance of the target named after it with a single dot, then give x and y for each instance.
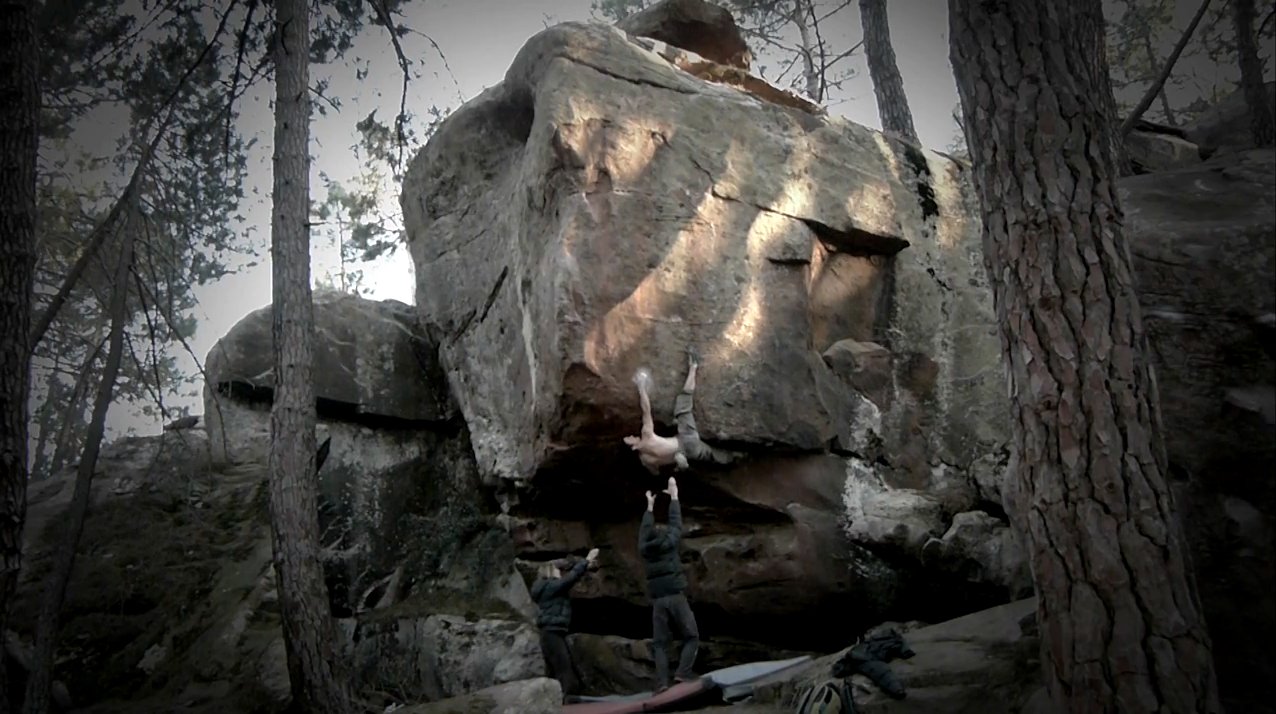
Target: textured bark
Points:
(1122, 627)
(1158, 84)
(318, 682)
(40, 678)
(19, 107)
(888, 85)
(1260, 111)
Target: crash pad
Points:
(670, 700)
(746, 673)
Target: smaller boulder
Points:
(864, 365)
(706, 29)
(983, 549)
(1160, 151)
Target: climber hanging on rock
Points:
(656, 451)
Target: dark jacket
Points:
(869, 658)
(660, 554)
(554, 598)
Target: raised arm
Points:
(546, 589)
(648, 520)
(675, 512)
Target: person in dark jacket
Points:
(552, 594)
(659, 547)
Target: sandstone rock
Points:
(708, 30)
(444, 656)
(978, 663)
(708, 70)
(982, 548)
(867, 366)
(644, 227)
(371, 361)
(1225, 127)
(1204, 251)
(876, 514)
(1152, 151)
(530, 696)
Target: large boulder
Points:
(442, 656)
(588, 216)
(639, 226)
(372, 366)
(1203, 240)
(1225, 127)
(985, 663)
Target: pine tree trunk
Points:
(40, 679)
(19, 138)
(888, 85)
(318, 682)
(46, 421)
(71, 431)
(1260, 110)
(1121, 623)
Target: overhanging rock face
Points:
(601, 208)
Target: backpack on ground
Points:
(831, 696)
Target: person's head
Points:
(549, 571)
(658, 541)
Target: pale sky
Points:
(479, 39)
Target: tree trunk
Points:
(1122, 627)
(319, 684)
(888, 86)
(36, 700)
(71, 431)
(19, 138)
(809, 71)
(46, 420)
(1260, 111)
(1163, 95)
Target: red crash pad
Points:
(667, 700)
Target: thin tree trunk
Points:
(1122, 627)
(319, 683)
(1260, 110)
(19, 138)
(1164, 96)
(36, 700)
(1128, 125)
(809, 71)
(46, 420)
(888, 85)
(73, 418)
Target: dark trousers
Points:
(672, 615)
(558, 660)
(689, 435)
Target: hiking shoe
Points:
(683, 679)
